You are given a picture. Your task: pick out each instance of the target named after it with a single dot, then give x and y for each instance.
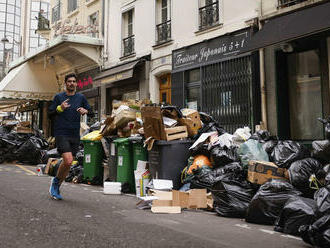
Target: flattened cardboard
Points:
(166, 210)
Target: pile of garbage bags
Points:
(27, 148)
(297, 204)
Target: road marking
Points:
(267, 231)
(243, 226)
(291, 237)
(20, 166)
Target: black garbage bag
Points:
(206, 118)
(326, 123)
(262, 136)
(44, 157)
(75, 171)
(80, 156)
(223, 155)
(30, 151)
(53, 153)
(288, 151)
(296, 212)
(200, 149)
(300, 173)
(317, 234)
(232, 194)
(266, 205)
(322, 198)
(205, 177)
(96, 126)
(171, 111)
(269, 146)
(210, 127)
(321, 150)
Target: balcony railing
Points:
(287, 3)
(56, 13)
(209, 15)
(163, 31)
(128, 45)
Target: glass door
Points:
(305, 95)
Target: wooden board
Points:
(174, 133)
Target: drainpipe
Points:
(263, 123)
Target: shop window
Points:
(127, 33)
(192, 89)
(208, 13)
(287, 3)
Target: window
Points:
(128, 36)
(163, 27)
(287, 3)
(93, 22)
(56, 12)
(72, 5)
(192, 86)
(208, 13)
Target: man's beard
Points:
(71, 89)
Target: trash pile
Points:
(19, 142)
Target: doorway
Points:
(165, 89)
(302, 92)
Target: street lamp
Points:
(5, 40)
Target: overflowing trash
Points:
(174, 159)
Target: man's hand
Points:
(82, 111)
(65, 104)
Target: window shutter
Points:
(177, 89)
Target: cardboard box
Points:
(193, 199)
(191, 120)
(260, 172)
(124, 117)
(153, 122)
(52, 166)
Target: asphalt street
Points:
(88, 218)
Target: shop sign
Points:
(85, 82)
(211, 50)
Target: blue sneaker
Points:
(54, 189)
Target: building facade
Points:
(294, 40)
(140, 50)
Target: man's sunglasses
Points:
(71, 81)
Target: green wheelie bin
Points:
(125, 170)
(93, 157)
(139, 152)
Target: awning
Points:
(291, 26)
(29, 81)
(39, 75)
(117, 73)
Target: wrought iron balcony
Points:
(287, 3)
(56, 13)
(163, 31)
(128, 45)
(209, 15)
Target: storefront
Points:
(86, 86)
(211, 77)
(123, 82)
(297, 54)
(40, 75)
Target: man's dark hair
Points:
(70, 75)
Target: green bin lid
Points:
(91, 141)
(121, 141)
